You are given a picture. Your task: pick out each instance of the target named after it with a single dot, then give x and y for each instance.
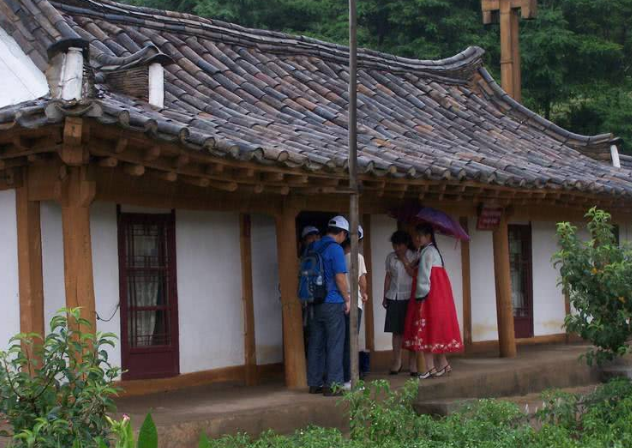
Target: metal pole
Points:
(353, 185)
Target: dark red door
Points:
(521, 279)
(148, 288)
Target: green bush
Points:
(56, 392)
(381, 418)
(596, 274)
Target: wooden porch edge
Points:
(202, 378)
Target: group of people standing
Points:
(420, 311)
(327, 323)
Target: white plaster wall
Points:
(105, 268)
(548, 300)
(209, 290)
(52, 260)
(382, 227)
(9, 286)
(266, 297)
(20, 78)
(483, 288)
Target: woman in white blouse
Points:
(400, 269)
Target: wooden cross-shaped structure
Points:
(506, 12)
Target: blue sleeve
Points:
(338, 259)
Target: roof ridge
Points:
(577, 141)
(460, 67)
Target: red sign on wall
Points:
(489, 218)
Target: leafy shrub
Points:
(596, 276)
(56, 392)
(382, 418)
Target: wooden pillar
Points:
(78, 193)
(506, 47)
(369, 321)
(467, 288)
(250, 352)
(31, 283)
(504, 306)
(515, 57)
(293, 346)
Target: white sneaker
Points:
(347, 385)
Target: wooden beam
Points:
(506, 50)
(504, 306)
(250, 347)
(78, 194)
(467, 287)
(515, 42)
(293, 347)
(201, 182)
(121, 145)
(182, 160)
(169, 176)
(31, 283)
(369, 320)
(108, 162)
(73, 152)
(152, 153)
(272, 177)
(134, 170)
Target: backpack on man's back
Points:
(312, 287)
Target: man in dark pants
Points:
(327, 328)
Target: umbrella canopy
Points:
(440, 221)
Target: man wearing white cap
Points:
(327, 327)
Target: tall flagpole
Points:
(353, 185)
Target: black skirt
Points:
(395, 316)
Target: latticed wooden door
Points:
(521, 279)
(148, 288)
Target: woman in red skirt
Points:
(431, 323)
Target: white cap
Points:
(339, 222)
(308, 230)
(360, 232)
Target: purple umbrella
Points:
(442, 223)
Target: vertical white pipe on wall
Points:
(156, 85)
(72, 76)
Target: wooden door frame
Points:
(126, 350)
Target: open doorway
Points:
(316, 219)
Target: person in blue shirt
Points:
(327, 327)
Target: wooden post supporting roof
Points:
(78, 193)
(293, 346)
(250, 349)
(31, 283)
(506, 12)
(504, 306)
(467, 288)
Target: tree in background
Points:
(576, 65)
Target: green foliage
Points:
(382, 418)
(596, 276)
(123, 434)
(56, 392)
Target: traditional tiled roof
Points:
(626, 162)
(282, 99)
